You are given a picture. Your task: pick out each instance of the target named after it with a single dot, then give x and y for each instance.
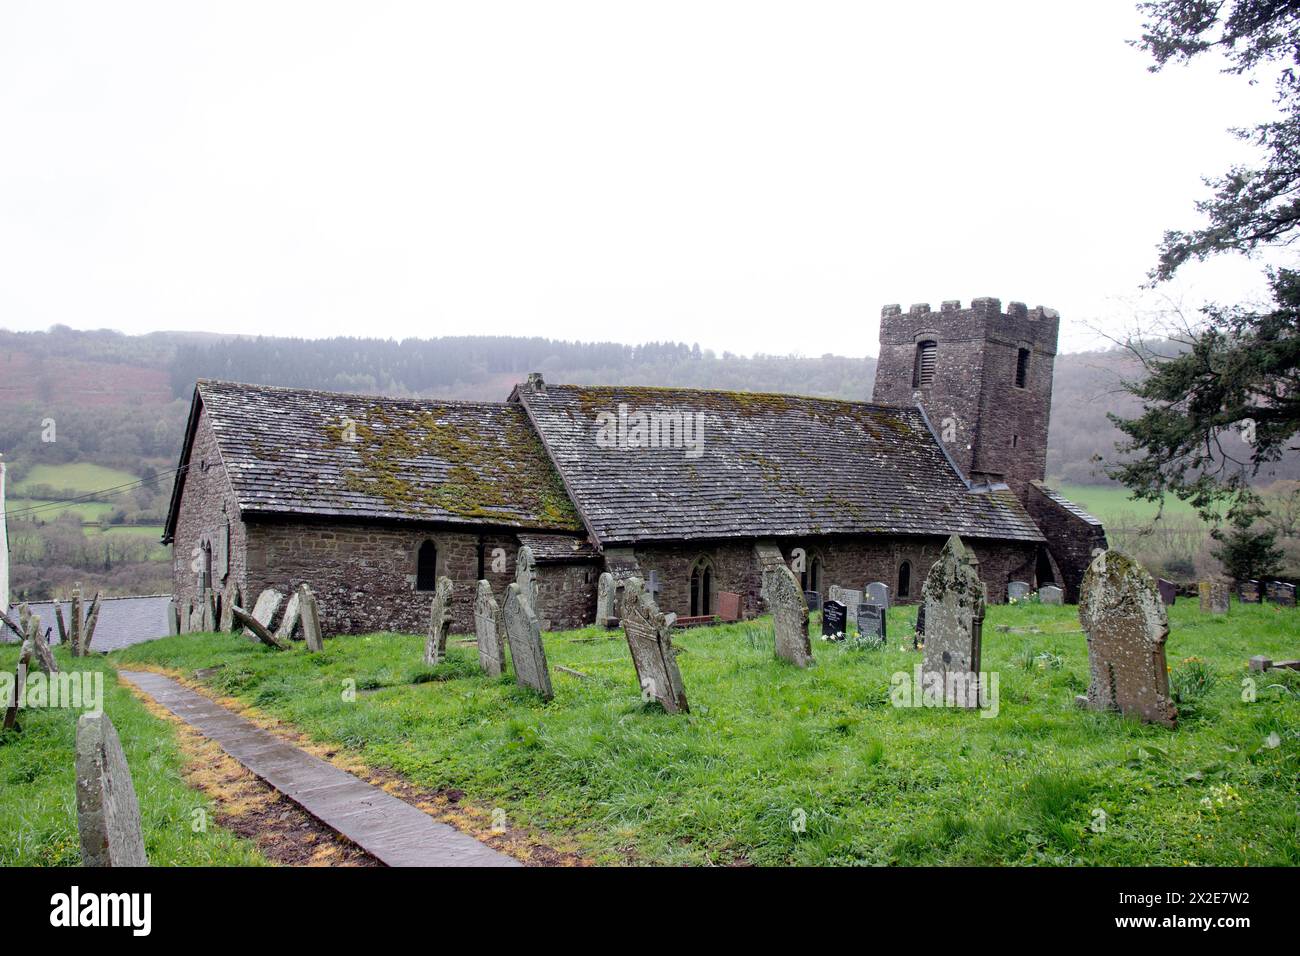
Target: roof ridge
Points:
(738, 392)
(465, 402)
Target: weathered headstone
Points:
(74, 625)
(850, 598)
(108, 816)
(92, 620)
(604, 598)
(196, 617)
(309, 614)
(1017, 590)
(877, 593)
(525, 636)
(1168, 592)
(253, 627)
(526, 575)
(1126, 624)
(1213, 596)
(491, 649)
(728, 606)
(292, 614)
(209, 611)
(789, 614)
(173, 618)
(268, 603)
(229, 598)
(1051, 594)
(63, 629)
(41, 653)
(1248, 592)
(835, 621)
(435, 644)
(873, 623)
(649, 639)
(954, 599)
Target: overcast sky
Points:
(750, 176)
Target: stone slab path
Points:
(391, 830)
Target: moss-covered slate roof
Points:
(287, 452)
(770, 465)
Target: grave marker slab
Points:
(789, 614)
(525, 636)
(1168, 592)
(292, 612)
(108, 815)
(604, 598)
(1017, 590)
(649, 639)
(1213, 596)
(1126, 624)
(1281, 593)
(954, 598)
(835, 621)
(491, 650)
(850, 598)
(1249, 592)
(435, 644)
(877, 593)
(309, 614)
(872, 623)
(1051, 594)
(728, 606)
(813, 599)
(268, 602)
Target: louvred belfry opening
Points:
(923, 373)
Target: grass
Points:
(38, 812)
(81, 477)
(1112, 504)
(85, 510)
(767, 746)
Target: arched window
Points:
(905, 579)
(923, 370)
(811, 579)
(426, 567)
(702, 588)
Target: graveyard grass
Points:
(765, 742)
(38, 815)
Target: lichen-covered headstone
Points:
(1017, 590)
(877, 593)
(74, 624)
(789, 610)
(491, 650)
(649, 639)
(526, 575)
(435, 644)
(292, 613)
(108, 816)
(268, 602)
(954, 599)
(229, 598)
(1214, 597)
(1051, 594)
(525, 636)
(309, 613)
(605, 598)
(1126, 623)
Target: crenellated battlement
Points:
(983, 305)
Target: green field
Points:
(766, 745)
(38, 814)
(1112, 504)
(86, 510)
(82, 478)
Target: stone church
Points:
(369, 500)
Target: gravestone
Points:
(1213, 596)
(1168, 592)
(728, 606)
(525, 636)
(196, 618)
(16, 690)
(268, 602)
(954, 598)
(289, 622)
(813, 599)
(491, 651)
(208, 610)
(877, 593)
(229, 598)
(604, 598)
(850, 598)
(108, 816)
(1248, 592)
(1126, 624)
(649, 639)
(835, 621)
(435, 644)
(1281, 593)
(173, 618)
(789, 614)
(918, 630)
(1017, 590)
(309, 614)
(185, 612)
(872, 623)
(526, 575)
(1051, 594)
(75, 622)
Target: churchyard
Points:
(771, 763)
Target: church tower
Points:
(984, 378)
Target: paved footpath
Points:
(387, 828)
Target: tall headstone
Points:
(785, 600)
(954, 598)
(1168, 592)
(604, 598)
(268, 603)
(435, 644)
(229, 598)
(1126, 624)
(292, 613)
(526, 575)
(491, 650)
(1213, 596)
(108, 816)
(74, 625)
(1017, 590)
(1051, 594)
(877, 593)
(173, 617)
(209, 611)
(835, 621)
(525, 636)
(309, 614)
(649, 639)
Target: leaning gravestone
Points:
(789, 614)
(525, 636)
(1213, 596)
(17, 689)
(309, 613)
(292, 613)
(835, 621)
(954, 599)
(1051, 594)
(268, 602)
(1168, 592)
(649, 639)
(604, 598)
(1017, 590)
(108, 816)
(1125, 620)
(435, 644)
(877, 593)
(491, 651)
(872, 623)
